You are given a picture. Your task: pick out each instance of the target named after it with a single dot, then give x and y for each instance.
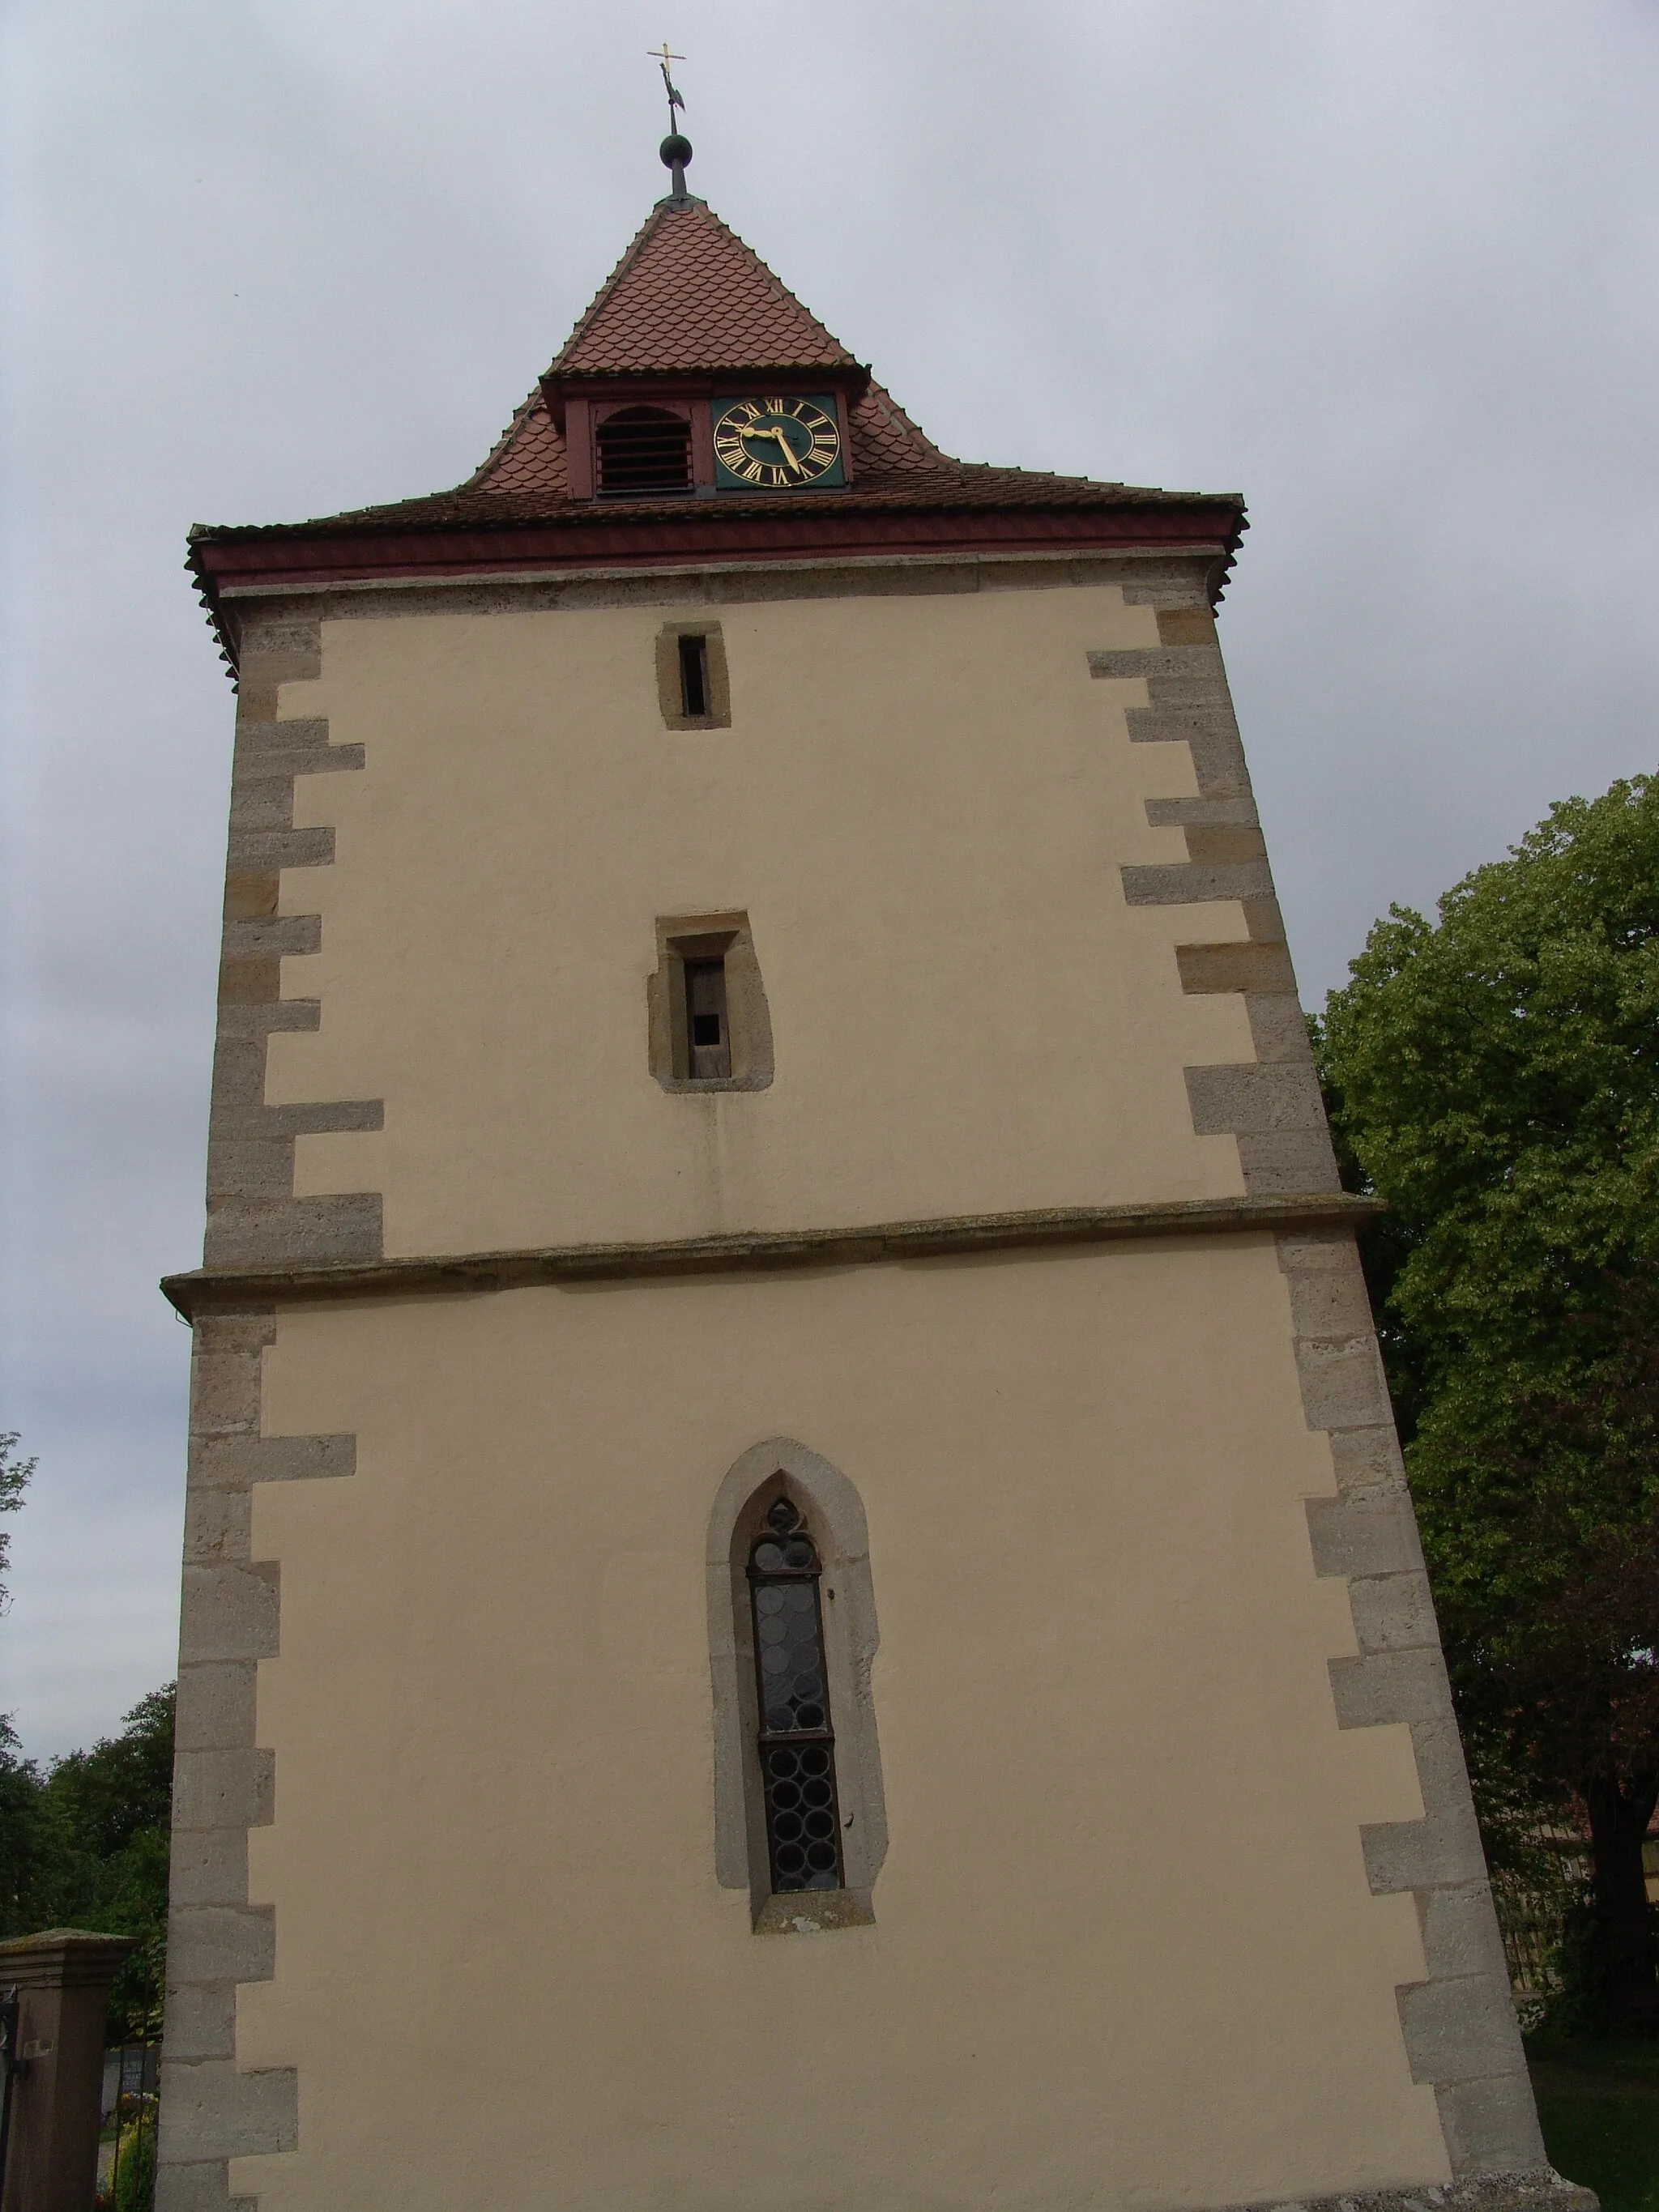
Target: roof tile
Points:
(689, 295)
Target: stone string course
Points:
(1459, 2024)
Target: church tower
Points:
(799, 1594)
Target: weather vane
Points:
(662, 60)
(676, 149)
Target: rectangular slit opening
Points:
(707, 1033)
(693, 677)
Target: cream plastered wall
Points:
(1125, 1952)
(921, 804)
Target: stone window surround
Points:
(749, 1021)
(669, 695)
(835, 1517)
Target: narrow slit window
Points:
(708, 1031)
(693, 677)
(694, 687)
(797, 1743)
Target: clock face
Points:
(776, 444)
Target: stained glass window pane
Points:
(797, 1743)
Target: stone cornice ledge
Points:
(228, 1290)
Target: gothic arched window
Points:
(797, 1742)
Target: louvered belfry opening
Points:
(644, 449)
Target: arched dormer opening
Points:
(643, 450)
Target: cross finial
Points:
(662, 58)
(676, 150)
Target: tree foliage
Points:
(15, 1474)
(85, 1845)
(1494, 1076)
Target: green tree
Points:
(20, 1778)
(135, 2176)
(15, 1474)
(86, 1845)
(20, 1824)
(1494, 1076)
(90, 1849)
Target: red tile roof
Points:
(689, 296)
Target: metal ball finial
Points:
(676, 153)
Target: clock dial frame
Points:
(791, 443)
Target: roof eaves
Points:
(199, 534)
(437, 511)
(373, 522)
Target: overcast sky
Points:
(1388, 270)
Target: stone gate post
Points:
(63, 1982)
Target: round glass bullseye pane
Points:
(800, 1797)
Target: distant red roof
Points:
(688, 296)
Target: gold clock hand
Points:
(789, 453)
(778, 437)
